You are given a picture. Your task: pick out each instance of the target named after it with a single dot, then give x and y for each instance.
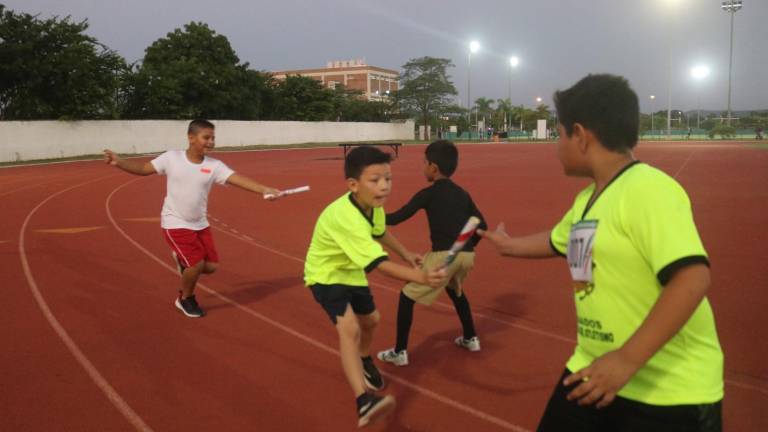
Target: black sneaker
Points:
(189, 306)
(373, 408)
(371, 375)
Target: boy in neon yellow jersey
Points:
(346, 245)
(648, 356)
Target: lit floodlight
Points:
(700, 72)
(474, 46)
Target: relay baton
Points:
(287, 192)
(461, 240)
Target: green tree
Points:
(519, 114)
(303, 98)
(502, 114)
(351, 106)
(194, 72)
(484, 110)
(454, 114)
(426, 87)
(49, 69)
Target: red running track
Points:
(92, 340)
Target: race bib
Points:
(580, 243)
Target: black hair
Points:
(606, 105)
(361, 157)
(197, 124)
(444, 154)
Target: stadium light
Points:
(699, 73)
(731, 7)
(513, 62)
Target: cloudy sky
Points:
(557, 41)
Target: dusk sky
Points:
(557, 41)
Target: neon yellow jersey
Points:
(621, 251)
(343, 246)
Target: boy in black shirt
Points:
(448, 207)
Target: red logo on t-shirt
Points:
(205, 170)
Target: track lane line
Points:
(444, 305)
(112, 395)
(309, 340)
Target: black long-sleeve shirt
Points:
(448, 207)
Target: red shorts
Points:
(192, 246)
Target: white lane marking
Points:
(81, 358)
(309, 340)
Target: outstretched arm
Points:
(133, 167)
(244, 182)
(417, 202)
(530, 246)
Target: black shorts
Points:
(334, 299)
(624, 415)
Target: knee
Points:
(210, 267)
(370, 322)
(348, 329)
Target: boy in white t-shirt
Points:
(190, 175)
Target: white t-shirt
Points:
(186, 199)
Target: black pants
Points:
(625, 415)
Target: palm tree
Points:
(484, 108)
(518, 115)
(503, 114)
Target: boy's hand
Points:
(436, 277)
(415, 260)
(270, 194)
(498, 237)
(110, 157)
(601, 380)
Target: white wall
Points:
(21, 141)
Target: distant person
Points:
(190, 174)
(448, 208)
(689, 133)
(346, 245)
(759, 133)
(647, 356)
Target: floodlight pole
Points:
(469, 107)
(669, 95)
(509, 99)
(731, 6)
(652, 99)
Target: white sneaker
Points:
(471, 344)
(396, 358)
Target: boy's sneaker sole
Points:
(189, 314)
(390, 356)
(381, 407)
(472, 345)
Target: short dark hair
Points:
(197, 124)
(361, 157)
(444, 154)
(606, 105)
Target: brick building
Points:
(376, 83)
